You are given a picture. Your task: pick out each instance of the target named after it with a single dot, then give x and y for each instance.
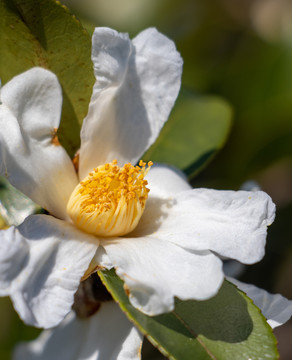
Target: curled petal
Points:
(232, 224)
(107, 335)
(156, 271)
(275, 307)
(30, 156)
(136, 87)
(54, 256)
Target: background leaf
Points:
(12, 329)
(14, 206)
(228, 326)
(44, 33)
(197, 128)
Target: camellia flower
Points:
(97, 329)
(164, 243)
(107, 335)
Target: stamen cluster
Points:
(111, 199)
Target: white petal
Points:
(155, 271)
(47, 276)
(14, 252)
(275, 307)
(232, 224)
(100, 261)
(29, 158)
(107, 335)
(102, 258)
(165, 181)
(136, 87)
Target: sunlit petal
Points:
(232, 224)
(31, 157)
(137, 84)
(155, 271)
(54, 256)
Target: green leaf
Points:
(227, 327)
(197, 128)
(43, 33)
(14, 206)
(12, 329)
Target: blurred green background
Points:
(242, 52)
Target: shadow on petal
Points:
(156, 211)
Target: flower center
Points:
(110, 200)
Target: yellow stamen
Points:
(110, 200)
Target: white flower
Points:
(177, 246)
(107, 335)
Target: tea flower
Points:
(107, 335)
(164, 243)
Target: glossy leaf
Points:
(43, 33)
(228, 326)
(198, 127)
